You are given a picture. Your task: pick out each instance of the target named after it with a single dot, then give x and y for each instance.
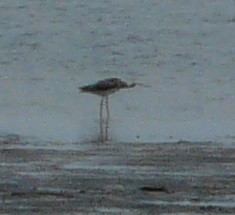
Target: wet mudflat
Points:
(115, 178)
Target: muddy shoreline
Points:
(115, 178)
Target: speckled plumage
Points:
(106, 86)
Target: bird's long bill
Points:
(141, 84)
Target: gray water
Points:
(183, 49)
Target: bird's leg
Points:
(107, 117)
(101, 118)
(107, 108)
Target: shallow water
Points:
(182, 50)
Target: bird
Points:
(104, 88)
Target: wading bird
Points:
(104, 88)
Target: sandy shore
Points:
(115, 178)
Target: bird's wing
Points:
(105, 85)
